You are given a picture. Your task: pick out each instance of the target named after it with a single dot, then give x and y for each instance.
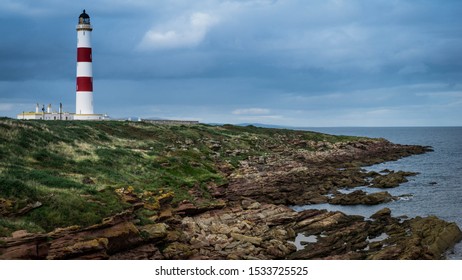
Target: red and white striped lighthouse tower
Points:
(84, 95)
(84, 82)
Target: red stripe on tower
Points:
(83, 54)
(84, 84)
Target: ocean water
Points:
(437, 190)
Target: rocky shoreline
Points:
(250, 217)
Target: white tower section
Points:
(84, 81)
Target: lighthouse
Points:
(84, 80)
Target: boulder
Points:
(391, 180)
(177, 251)
(383, 213)
(79, 249)
(245, 238)
(250, 204)
(321, 222)
(416, 239)
(278, 249)
(361, 197)
(187, 208)
(120, 236)
(154, 231)
(437, 235)
(24, 246)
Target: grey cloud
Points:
(339, 58)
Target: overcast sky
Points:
(293, 62)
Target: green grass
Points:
(7, 226)
(16, 189)
(46, 162)
(66, 208)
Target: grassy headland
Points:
(70, 171)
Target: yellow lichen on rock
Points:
(94, 244)
(6, 206)
(153, 201)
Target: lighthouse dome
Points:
(84, 18)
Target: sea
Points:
(436, 190)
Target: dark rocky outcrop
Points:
(113, 236)
(244, 230)
(23, 245)
(295, 177)
(391, 179)
(385, 237)
(360, 197)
